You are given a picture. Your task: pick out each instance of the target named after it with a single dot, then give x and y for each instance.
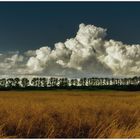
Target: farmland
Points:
(69, 114)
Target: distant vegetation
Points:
(69, 114)
(83, 83)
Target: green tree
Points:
(83, 81)
(24, 82)
(35, 82)
(16, 82)
(2, 82)
(10, 82)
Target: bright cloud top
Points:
(87, 54)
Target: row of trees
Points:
(65, 82)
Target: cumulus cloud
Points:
(30, 53)
(10, 63)
(39, 62)
(86, 54)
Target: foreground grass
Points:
(69, 114)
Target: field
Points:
(69, 114)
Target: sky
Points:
(30, 25)
(26, 27)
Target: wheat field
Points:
(69, 114)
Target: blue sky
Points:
(30, 25)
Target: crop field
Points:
(69, 114)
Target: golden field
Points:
(69, 114)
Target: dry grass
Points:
(69, 114)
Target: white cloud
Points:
(30, 53)
(86, 54)
(39, 61)
(10, 63)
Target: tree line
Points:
(52, 82)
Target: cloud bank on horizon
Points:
(87, 54)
